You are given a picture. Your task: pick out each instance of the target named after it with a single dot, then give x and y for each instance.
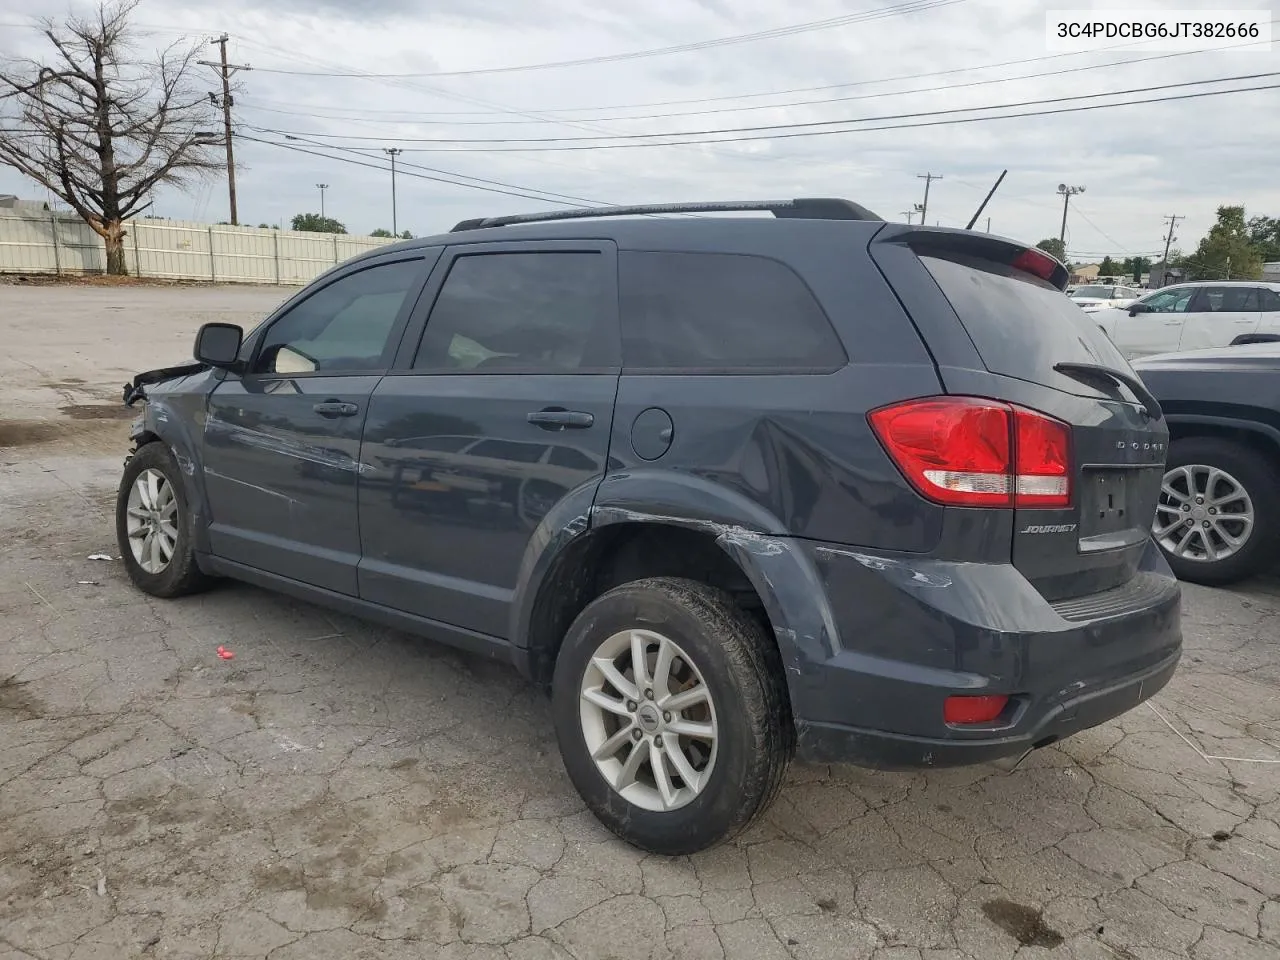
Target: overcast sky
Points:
(1137, 162)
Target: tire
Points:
(1255, 475)
(179, 574)
(716, 644)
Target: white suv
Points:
(1193, 316)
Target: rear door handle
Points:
(558, 418)
(336, 408)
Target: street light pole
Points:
(393, 152)
(323, 187)
(1066, 193)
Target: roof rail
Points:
(811, 208)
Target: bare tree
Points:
(101, 128)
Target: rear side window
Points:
(719, 313)
(1021, 325)
(1270, 301)
(1226, 300)
(522, 313)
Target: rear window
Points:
(1021, 325)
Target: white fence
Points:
(174, 250)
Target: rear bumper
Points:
(911, 632)
(837, 743)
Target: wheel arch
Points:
(164, 424)
(1259, 436)
(620, 538)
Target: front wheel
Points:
(1218, 518)
(671, 714)
(153, 525)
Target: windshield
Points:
(1021, 325)
(1101, 293)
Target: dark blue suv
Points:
(734, 488)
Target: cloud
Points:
(1138, 162)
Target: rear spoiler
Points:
(948, 240)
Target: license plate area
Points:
(1105, 505)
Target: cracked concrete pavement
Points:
(340, 790)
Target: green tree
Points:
(1264, 233)
(314, 223)
(1135, 267)
(1108, 267)
(383, 232)
(1227, 252)
(1054, 247)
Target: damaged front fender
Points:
(134, 389)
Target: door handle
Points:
(558, 418)
(336, 408)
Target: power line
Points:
(361, 116)
(1103, 233)
(911, 6)
(406, 84)
(402, 164)
(524, 193)
(810, 125)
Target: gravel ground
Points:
(340, 790)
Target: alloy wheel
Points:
(648, 720)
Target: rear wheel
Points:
(670, 715)
(1218, 518)
(153, 525)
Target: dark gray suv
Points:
(734, 488)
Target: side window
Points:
(720, 311)
(523, 312)
(1270, 300)
(345, 326)
(1227, 300)
(1173, 300)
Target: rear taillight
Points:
(971, 452)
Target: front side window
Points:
(522, 312)
(344, 326)
(1270, 300)
(714, 311)
(1172, 300)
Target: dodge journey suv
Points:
(734, 489)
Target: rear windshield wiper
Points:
(1150, 405)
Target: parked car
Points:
(1218, 519)
(1194, 316)
(845, 489)
(1093, 297)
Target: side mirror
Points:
(1137, 308)
(218, 345)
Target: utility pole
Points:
(928, 178)
(908, 214)
(1066, 193)
(225, 101)
(393, 152)
(1172, 220)
(323, 187)
(988, 224)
